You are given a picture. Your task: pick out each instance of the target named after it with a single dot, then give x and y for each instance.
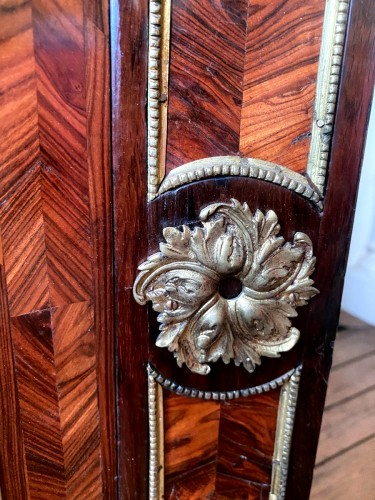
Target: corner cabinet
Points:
(177, 181)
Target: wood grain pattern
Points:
(242, 80)
(206, 74)
(55, 216)
(344, 425)
(13, 466)
(23, 237)
(191, 433)
(97, 62)
(75, 364)
(129, 22)
(39, 404)
(193, 484)
(356, 341)
(19, 147)
(346, 461)
(219, 449)
(138, 232)
(352, 379)
(56, 379)
(246, 442)
(60, 81)
(281, 66)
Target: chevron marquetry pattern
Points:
(54, 202)
(223, 449)
(242, 79)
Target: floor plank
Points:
(349, 476)
(346, 454)
(348, 380)
(349, 321)
(353, 344)
(346, 424)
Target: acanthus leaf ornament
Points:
(232, 250)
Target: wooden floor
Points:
(345, 465)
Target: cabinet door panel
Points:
(240, 104)
(177, 184)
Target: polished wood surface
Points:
(55, 219)
(13, 477)
(129, 21)
(205, 86)
(171, 209)
(243, 79)
(219, 449)
(281, 66)
(75, 224)
(138, 225)
(191, 441)
(347, 150)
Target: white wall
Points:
(359, 289)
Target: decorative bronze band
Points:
(332, 46)
(156, 439)
(157, 99)
(218, 395)
(284, 433)
(331, 51)
(242, 167)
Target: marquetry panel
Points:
(191, 430)
(39, 404)
(23, 236)
(55, 220)
(19, 147)
(206, 75)
(243, 80)
(217, 448)
(213, 112)
(75, 364)
(280, 73)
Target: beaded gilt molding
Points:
(289, 383)
(156, 439)
(157, 91)
(228, 288)
(284, 432)
(234, 166)
(330, 61)
(191, 392)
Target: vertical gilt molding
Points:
(157, 98)
(330, 59)
(284, 432)
(284, 429)
(156, 439)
